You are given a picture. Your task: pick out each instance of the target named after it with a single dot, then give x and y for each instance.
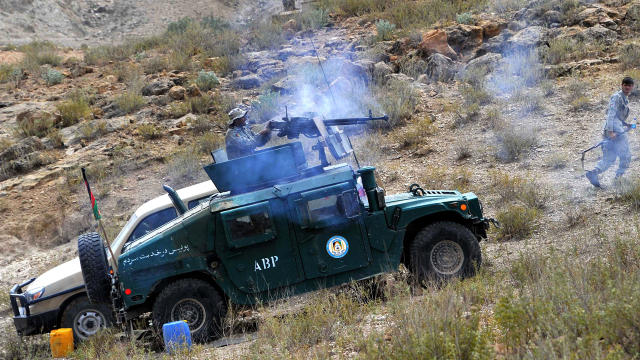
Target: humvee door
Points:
(330, 231)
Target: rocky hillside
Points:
(110, 21)
(497, 98)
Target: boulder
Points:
(595, 15)
(286, 85)
(158, 87)
(527, 38)
(21, 148)
(488, 61)
(177, 92)
(271, 72)
(193, 90)
(464, 38)
(247, 82)
(381, 70)
(441, 68)
(494, 45)
(399, 77)
(285, 53)
(436, 41)
(599, 33)
(633, 14)
(491, 28)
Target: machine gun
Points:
(329, 136)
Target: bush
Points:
(155, 64)
(384, 30)
(207, 80)
(514, 142)
(628, 191)
(180, 26)
(266, 106)
(265, 35)
(630, 56)
(401, 106)
(6, 73)
(149, 131)
(37, 53)
(103, 54)
(580, 103)
(215, 23)
(415, 133)
(75, 108)
(517, 222)
(465, 18)
(180, 61)
(313, 19)
(202, 124)
(35, 125)
(209, 141)
(5, 143)
(126, 72)
(52, 76)
(178, 110)
(200, 104)
(130, 101)
(514, 188)
(413, 66)
(93, 129)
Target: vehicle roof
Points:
(186, 194)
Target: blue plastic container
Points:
(177, 336)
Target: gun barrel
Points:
(353, 121)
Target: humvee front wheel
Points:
(85, 318)
(194, 301)
(442, 251)
(95, 268)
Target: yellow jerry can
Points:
(61, 342)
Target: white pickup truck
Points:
(58, 299)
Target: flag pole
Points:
(98, 217)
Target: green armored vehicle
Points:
(279, 227)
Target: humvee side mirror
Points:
(349, 205)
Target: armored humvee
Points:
(279, 227)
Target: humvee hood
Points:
(59, 274)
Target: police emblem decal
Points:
(337, 247)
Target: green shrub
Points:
(149, 131)
(180, 26)
(91, 130)
(6, 73)
(580, 103)
(266, 106)
(475, 95)
(103, 54)
(155, 64)
(266, 35)
(313, 19)
(178, 109)
(630, 56)
(5, 143)
(35, 126)
(126, 72)
(202, 124)
(130, 101)
(207, 80)
(628, 191)
(401, 106)
(215, 23)
(384, 30)
(465, 18)
(52, 76)
(200, 104)
(75, 108)
(514, 141)
(415, 133)
(209, 141)
(180, 61)
(37, 53)
(516, 222)
(413, 66)
(56, 138)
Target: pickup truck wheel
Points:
(95, 268)
(85, 318)
(442, 251)
(193, 300)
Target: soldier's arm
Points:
(263, 136)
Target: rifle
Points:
(292, 127)
(604, 141)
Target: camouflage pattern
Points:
(617, 147)
(242, 141)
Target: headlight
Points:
(35, 294)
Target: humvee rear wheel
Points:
(442, 251)
(194, 301)
(95, 268)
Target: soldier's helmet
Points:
(235, 114)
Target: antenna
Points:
(334, 99)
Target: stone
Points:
(291, 25)
(23, 147)
(633, 14)
(491, 28)
(440, 68)
(435, 41)
(399, 77)
(597, 14)
(177, 92)
(553, 16)
(285, 86)
(527, 38)
(488, 61)
(159, 87)
(381, 70)
(599, 33)
(179, 78)
(247, 82)
(464, 38)
(193, 90)
(285, 53)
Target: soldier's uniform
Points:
(618, 147)
(240, 140)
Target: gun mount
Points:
(284, 163)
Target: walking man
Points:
(240, 140)
(616, 144)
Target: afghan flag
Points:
(94, 204)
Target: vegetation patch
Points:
(401, 106)
(52, 76)
(207, 80)
(516, 222)
(514, 142)
(149, 131)
(75, 108)
(130, 101)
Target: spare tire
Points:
(95, 268)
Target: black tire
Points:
(86, 318)
(95, 268)
(193, 300)
(442, 251)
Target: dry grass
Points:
(515, 142)
(75, 108)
